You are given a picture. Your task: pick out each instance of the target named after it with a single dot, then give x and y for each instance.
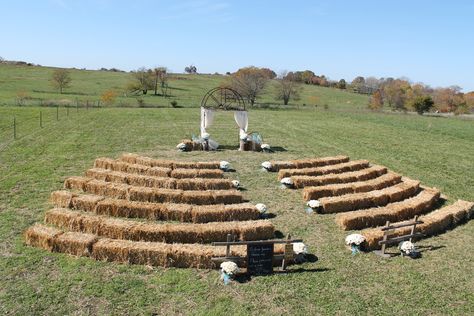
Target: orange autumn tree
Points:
(250, 82)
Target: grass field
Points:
(187, 90)
(437, 151)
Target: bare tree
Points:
(249, 82)
(61, 79)
(287, 88)
(161, 78)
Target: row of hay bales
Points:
(101, 205)
(159, 182)
(178, 173)
(365, 195)
(112, 213)
(126, 251)
(155, 195)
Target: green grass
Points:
(187, 90)
(437, 151)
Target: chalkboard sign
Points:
(260, 259)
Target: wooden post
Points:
(288, 252)
(14, 127)
(413, 227)
(77, 105)
(87, 105)
(41, 119)
(227, 249)
(385, 235)
(57, 113)
(67, 111)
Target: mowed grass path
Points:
(437, 151)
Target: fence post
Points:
(14, 127)
(77, 105)
(67, 111)
(57, 113)
(41, 119)
(87, 105)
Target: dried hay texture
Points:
(169, 233)
(156, 211)
(433, 223)
(73, 243)
(151, 162)
(197, 173)
(121, 166)
(62, 198)
(386, 180)
(159, 182)
(351, 202)
(76, 183)
(319, 171)
(41, 236)
(308, 163)
(109, 189)
(308, 182)
(393, 212)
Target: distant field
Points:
(187, 90)
(438, 151)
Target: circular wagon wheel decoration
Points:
(223, 99)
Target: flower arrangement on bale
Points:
(229, 270)
(266, 148)
(312, 206)
(205, 136)
(262, 208)
(286, 182)
(244, 137)
(300, 250)
(267, 165)
(181, 147)
(407, 248)
(355, 241)
(236, 184)
(224, 165)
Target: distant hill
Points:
(29, 84)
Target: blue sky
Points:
(426, 41)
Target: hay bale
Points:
(227, 197)
(433, 223)
(318, 171)
(109, 189)
(41, 236)
(77, 244)
(153, 195)
(197, 173)
(129, 157)
(76, 183)
(129, 209)
(86, 202)
(151, 181)
(159, 172)
(104, 163)
(204, 184)
(393, 212)
(351, 202)
(196, 197)
(386, 180)
(308, 163)
(224, 213)
(98, 173)
(62, 198)
(347, 177)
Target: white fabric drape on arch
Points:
(207, 117)
(242, 119)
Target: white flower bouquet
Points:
(267, 165)
(314, 204)
(355, 241)
(407, 248)
(228, 270)
(244, 137)
(181, 147)
(300, 250)
(205, 136)
(287, 182)
(236, 184)
(224, 165)
(262, 208)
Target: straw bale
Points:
(41, 236)
(104, 163)
(196, 197)
(434, 223)
(62, 198)
(86, 202)
(98, 173)
(204, 184)
(73, 243)
(388, 179)
(351, 202)
(129, 157)
(154, 195)
(393, 212)
(227, 197)
(124, 208)
(346, 177)
(308, 163)
(76, 183)
(318, 171)
(109, 189)
(197, 173)
(224, 213)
